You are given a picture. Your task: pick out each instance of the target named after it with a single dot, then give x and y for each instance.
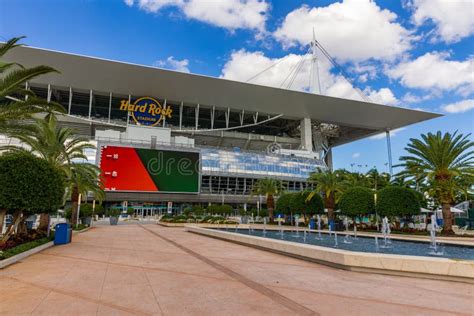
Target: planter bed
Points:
(22, 251)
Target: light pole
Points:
(376, 215)
(78, 209)
(93, 211)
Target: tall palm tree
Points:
(269, 188)
(377, 180)
(63, 149)
(330, 184)
(446, 162)
(353, 179)
(16, 102)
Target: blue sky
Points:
(410, 53)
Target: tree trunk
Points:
(44, 222)
(22, 229)
(74, 200)
(447, 219)
(330, 214)
(3, 213)
(270, 206)
(17, 218)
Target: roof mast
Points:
(315, 84)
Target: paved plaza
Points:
(153, 270)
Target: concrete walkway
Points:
(153, 270)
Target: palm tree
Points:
(446, 162)
(269, 188)
(377, 180)
(353, 179)
(16, 102)
(330, 184)
(63, 149)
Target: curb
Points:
(9, 261)
(81, 231)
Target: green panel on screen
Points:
(172, 171)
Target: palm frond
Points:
(18, 77)
(10, 44)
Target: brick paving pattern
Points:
(153, 270)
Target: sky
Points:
(416, 54)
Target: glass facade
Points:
(217, 161)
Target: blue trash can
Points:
(332, 224)
(63, 234)
(312, 224)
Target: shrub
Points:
(357, 201)
(316, 204)
(198, 210)
(220, 209)
(85, 210)
(30, 184)
(214, 209)
(283, 203)
(397, 201)
(226, 209)
(113, 212)
(299, 203)
(263, 212)
(99, 209)
(24, 247)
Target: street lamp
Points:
(78, 209)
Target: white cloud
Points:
(173, 64)
(413, 98)
(434, 71)
(459, 107)
(383, 96)
(454, 19)
(383, 135)
(243, 65)
(349, 30)
(229, 14)
(355, 155)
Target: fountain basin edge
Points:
(391, 264)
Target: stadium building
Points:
(165, 136)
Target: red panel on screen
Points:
(122, 170)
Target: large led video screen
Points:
(149, 170)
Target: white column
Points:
(389, 152)
(49, 94)
(70, 101)
(306, 134)
(110, 105)
(328, 158)
(90, 103)
(181, 115)
(164, 117)
(128, 113)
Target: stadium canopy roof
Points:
(118, 77)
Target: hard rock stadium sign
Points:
(146, 111)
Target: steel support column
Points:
(49, 94)
(90, 103)
(164, 117)
(110, 106)
(196, 114)
(70, 101)
(181, 115)
(389, 152)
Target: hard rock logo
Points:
(146, 111)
